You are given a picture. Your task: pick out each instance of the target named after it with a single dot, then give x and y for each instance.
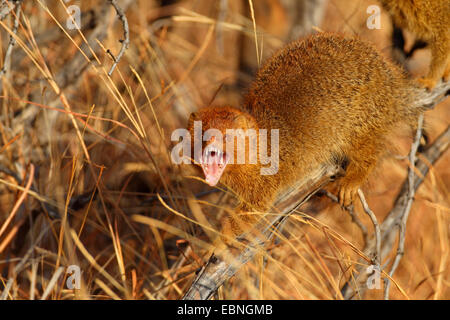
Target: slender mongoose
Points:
(428, 20)
(334, 100)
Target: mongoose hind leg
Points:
(356, 174)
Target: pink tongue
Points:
(212, 173)
(212, 170)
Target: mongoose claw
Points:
(346, 195)
(427, 83)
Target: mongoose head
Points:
(219, 126)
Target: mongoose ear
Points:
(241, 121)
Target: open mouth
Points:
(213, 163)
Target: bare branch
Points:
(405, 214)
(12, 41)
(427, 100)
(71, 72)
(395, 216)
(377, 255)
(7, 6)
(126, 34)
(224, 264)
(351, 210)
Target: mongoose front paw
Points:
(227, 233)
(427, 83)
(238, 229)
(347, 194)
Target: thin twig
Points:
(377, 257)
(73, 70)
(425, 100)
(351, 210)
(6, 7)
(126, 34)
(406, 211)
(428, 100)
(431, 154)
(12, 41)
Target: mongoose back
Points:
(334, 100)
(429, 20)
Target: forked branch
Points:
(396, 217)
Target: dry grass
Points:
(84, 157)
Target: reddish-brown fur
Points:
(429, 20)
(334, 99)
